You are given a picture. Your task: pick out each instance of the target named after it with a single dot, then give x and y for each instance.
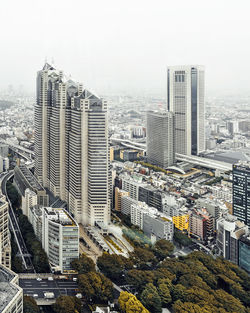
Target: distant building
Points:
(233, 127)
(118, 195)
(241, 191)
(5, 246)
(229, 231)
(4, 150)
(126, 203)
(244, 252)
(185, 98)
(4, 164)
(160, 138)
(11, 295)
(36, 220)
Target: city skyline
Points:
(122, 57)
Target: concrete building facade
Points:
(185, 98)
(71, 146)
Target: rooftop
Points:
(7, 289)
(30, 178)
(60, 216)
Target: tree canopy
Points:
(67, 304)
(29, 305)
(83, 265)
(130, 304)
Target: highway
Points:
(14, 226)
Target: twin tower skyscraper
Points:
(72, 145)
(180, 128)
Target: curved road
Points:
(23, 252)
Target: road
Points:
(58, 287)
(23, 252)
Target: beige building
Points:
(5, 247)
(72, 147)
(29, 200)
(118, 195)
(11, 295)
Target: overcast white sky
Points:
(125, 45)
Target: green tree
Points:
(139, 278)
(151, 299)
(130, 304)
(29, 305)
(189, 307)
(113, 265)
(83, 265)
(142, 257)
(181, 238)
(163, 248)
(67, 304)
(95, 286)
(178, 292)
(228, 302)
(164, 293)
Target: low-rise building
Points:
(11, 295)
(59, 235)
(60, 238)
(28, 200)
(158, 227)
(118, 195)
(201, 224)
(181, 222)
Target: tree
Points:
(178, 292)
(13, 195)
(189, 307)
(95, 286)
(113, 265)
(151, 299)
(181, 238)
(83, 265)
(228, 302)
(139, 278)
(142, 257)
(29, 305)
(164, 293)
(67, 304)
(130, 304)
(163, 248)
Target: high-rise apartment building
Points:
(71, 145)
(241, 191)
(185, 98)
(5, 247)
(160, 138)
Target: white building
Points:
(36, 220)
(5, 246)
(60, 238)
(11, 295)
(185, 98)
(29, 200)
(132, 186)
(71, 145)
(222, 193)
(4, 164)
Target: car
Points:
(39, 279)
(74, 279)
(79, 295)
(50, 278)
(35, 295)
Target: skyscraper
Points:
(71, 145)
(160, 138)
(241, 191)
(185, 98)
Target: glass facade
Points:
(194, 120)
(244, 254)
(241, 192)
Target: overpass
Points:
(25, 153)
(129, 144)
(204, 162)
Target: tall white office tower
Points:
(160, 138)
(185, 98)
(71, 145)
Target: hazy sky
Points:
(125, 45)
